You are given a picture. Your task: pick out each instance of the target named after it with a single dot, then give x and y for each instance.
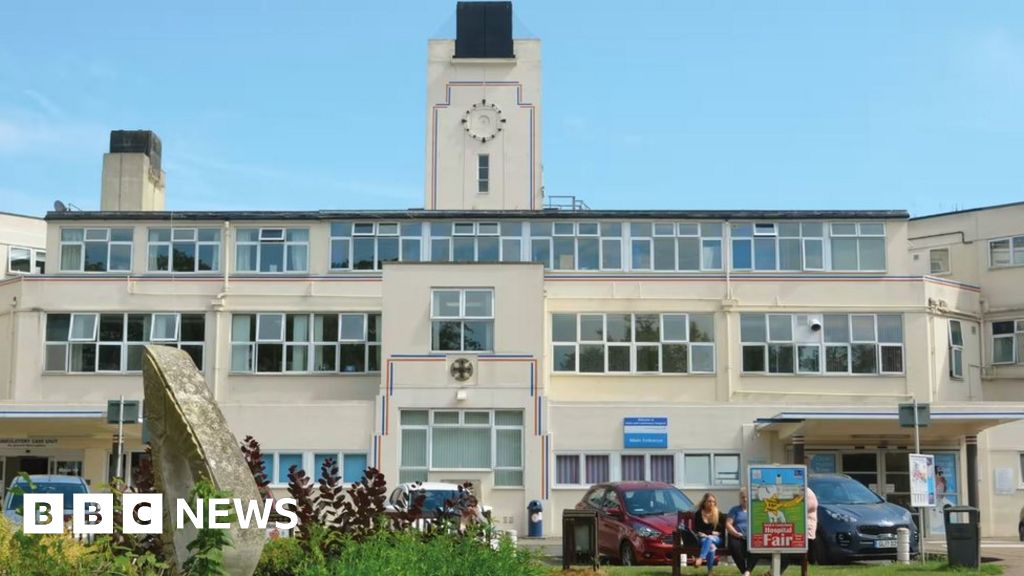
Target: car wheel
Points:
(626, 555)
(819, 553)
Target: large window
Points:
(788, 246)
(368, 245)
(956, 349)
(816, 344)
(276, 464)
(858, 246)
(272, 250)
(1006, 252)
(1007, 341)
(96, 249)
(476, 241)
(699, 470)
(702, 470)
(564, 245)
(671, 343)
(305, 343)
(670, 246)
(23, 260)
(462, 440)
(91, 342)
(462, 319)
(184, 250)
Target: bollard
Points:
(903, 545)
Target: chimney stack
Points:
(132, 178)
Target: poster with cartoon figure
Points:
(778, 512)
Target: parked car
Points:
(42, 484)
(436, 495)
(635, 520)
(854, 523)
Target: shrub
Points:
(281, 557)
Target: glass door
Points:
(897, 481)
(862, 467)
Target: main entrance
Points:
(887, 472)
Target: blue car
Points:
(854, 523)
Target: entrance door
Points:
(15, 465)
(862, 467)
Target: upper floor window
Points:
(483, 173)
(956, 349)
(686, 246)
(938, 261)
(88, 342)
(302, 343)
(1006, 252)
(184, 250)
(462, 319)
(96, 249)
(1007, 341)
(830, 344)
(667, 343)
(26, 260)
(368, 245)
(476, 241)
(777, 246)
(272, 250)
(858, 246)
(577, 245)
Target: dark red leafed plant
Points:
(330, 497)
(365, 504)
(300, 487)
(254, 459)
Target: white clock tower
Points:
(483, 115)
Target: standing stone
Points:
(191, 440)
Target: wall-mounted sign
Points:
(645, 432)
(778, 512)
(27, 443)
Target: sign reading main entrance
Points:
(645, 432)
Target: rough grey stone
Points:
(190, 440)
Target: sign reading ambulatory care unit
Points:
(922, 480)
(645, 432)
(778, 512)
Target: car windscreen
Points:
(64, 488)
(654, 501)
(842, 491)
(434, 500)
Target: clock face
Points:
(483, 121)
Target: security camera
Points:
(815, 324)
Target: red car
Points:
(635, 520)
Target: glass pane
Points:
(270, 327)
(753, 358)
(209, 257)
(633, 467)
(387, 250)
(863, 328)
(674, 327)
(111, 328)
(463, 249)
(591, 327)
(1002, 350)
(479, 335)
(325, 328)
(318, 464)
(297, 328)
(413, 418)
(814, 254)
(809, 358)
(564, 358)
(611, 254)
(83, 326)
(702, 328)
(837, 328)
(837, 359)
(640, 229)
(461, 448)
(567, 469)
(618, 359)
(647, 359)
(872, 253)
(597, 469)
(71, 257)
(711, 254)
(742, 259)
(702, 357)
(589, 252)
(864, 359)
(591, 358)
(511, 228)
(271, 257)
(479, 304)
(611, 229)
(890, 328)
(353, 357)
(363, 253)
(752, 328)
(648, 327)
(488, 249)
(511, 250)
(245, 257)
(95, 256)
(325, 357)
(446, 335)
(476, 417)
(353, 467)
(620, 328)
(165, 327)
(241, 357)
(285, 464)
(780, 358)
(83, 358)
(565, 254)
(410, 250)
(689, 253)
(664, 254)
(790, 257)
(57, 326)
(892, 359)
(446, 304)
(440, 250)
(508, 418)
(727, 469)
(764, 254)
(663, 468)
(540, 251)
(509, 448)
(109, 357)
(697, 469)
(674, 358)
(563, 327)
(297, 358)
(780, 327)
(56, 357)
(269, 357)
(844, 253)
(641, 255)
(352, 327)
(183, 256)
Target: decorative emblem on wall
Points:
(461, 369)
(483, 121)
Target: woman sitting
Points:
(709, 525)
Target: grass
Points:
(853, 570)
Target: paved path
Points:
(1007, 553)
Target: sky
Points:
(685, 104)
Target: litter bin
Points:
(535, 521)
(963, 536)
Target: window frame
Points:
(932, 252)
(36, 257)
(108, 234)
(483, 169)
(265, 236)
(371, 351)
(1014, 246)
(1014, 337)
(956, 350)
(463, 318)
(196, 242)
(309, 463)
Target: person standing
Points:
(709, 524)
(737, 525)
(811, 501)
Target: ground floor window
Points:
(462, 440)
(351, 465)
(700, 469)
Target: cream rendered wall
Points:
(453, 87)
(22, 232)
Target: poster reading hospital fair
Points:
(778, 513)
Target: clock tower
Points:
(483, 115)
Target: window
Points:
(476, 241)
(577, 245)
(939, 260)
(483, 173)
(854, 343)
(702, 470)
(272, 250)
(858, 246)
(306, 343)
(462, 440)
(184, 250)
(276, 464)
(1006, 252)
(96, 249)
(114, 342)
(669, 343)
(368, 245)
(582, 469)
(1007, 341)
(462, 320)
(671, 246)
(786, 246)
(26, 260)
(956, 350)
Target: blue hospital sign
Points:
(645, 432)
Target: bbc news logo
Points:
(144, 513)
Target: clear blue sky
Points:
(915, 104)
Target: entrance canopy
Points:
(39, 423)
(880, 426)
